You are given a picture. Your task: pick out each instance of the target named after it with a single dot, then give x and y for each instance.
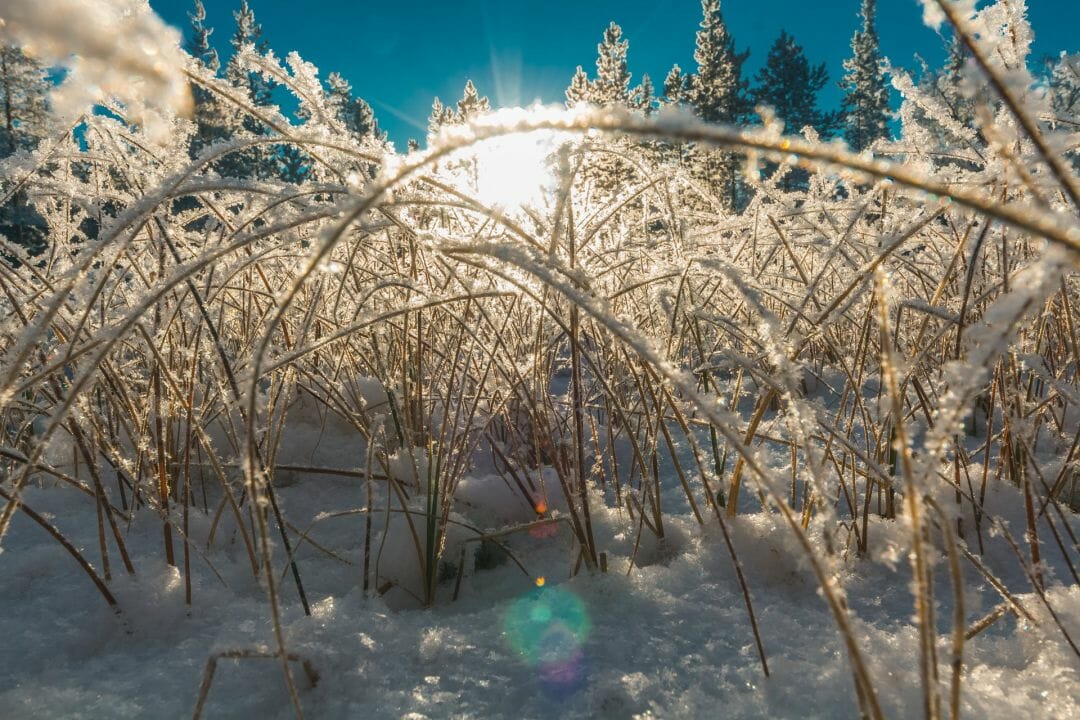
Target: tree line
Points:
(716, 91)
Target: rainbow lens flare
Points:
(547, 628)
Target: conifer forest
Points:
(700, 396)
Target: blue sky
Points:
(399, 54)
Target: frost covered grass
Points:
(384, 419)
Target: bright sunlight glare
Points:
(514, 171)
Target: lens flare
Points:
(548, 628)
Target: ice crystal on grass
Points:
(593, 408)
(144, 70)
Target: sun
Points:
(514, 171)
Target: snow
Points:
(668, 640)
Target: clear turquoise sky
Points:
(399, 54)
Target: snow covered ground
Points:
(670, 639)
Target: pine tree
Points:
(643, 100)
(440, 115)
(612, 83)
(357, 115)
(354, 113)
(198, 46)
(210, 122)
(866, 104)
(717, 92)
(676, 87)
(259, 161)
(293, 164)
(1063, 82)
(579, 90)
(434, 122)
(948, 82)
(643, 95)
(24, 89)
(789, 85)
(449, 117)
(676, 93)
(610, 88)
(944, 116)
(472, 104)
(248, 32)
